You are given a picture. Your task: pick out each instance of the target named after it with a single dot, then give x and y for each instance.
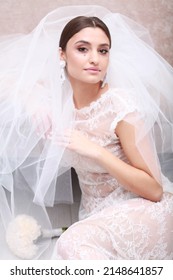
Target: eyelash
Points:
(102, 51)
(82, 49)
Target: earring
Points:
(104, 82)
(62, 71)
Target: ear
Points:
(62, 54)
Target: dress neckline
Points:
(93, 103)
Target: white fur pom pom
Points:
(21, 233)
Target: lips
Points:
(92, 69)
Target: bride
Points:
(101, 104)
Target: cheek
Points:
(74, 64)
(72, 59)
(72, 67)
(107, 62)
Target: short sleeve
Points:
(123, 102)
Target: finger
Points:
(60, 139)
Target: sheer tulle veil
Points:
(34, 172)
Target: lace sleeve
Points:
(124, 102)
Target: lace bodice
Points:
(98, 122)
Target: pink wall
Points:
(157, 15)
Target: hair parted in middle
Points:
(77, 24)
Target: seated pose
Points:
(101, 104)
(121, 195)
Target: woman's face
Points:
(87, 56)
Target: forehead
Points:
(91, 35)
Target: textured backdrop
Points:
(157, 15)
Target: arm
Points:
(136, 177)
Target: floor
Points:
(63, 215)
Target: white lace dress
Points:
(114, 223)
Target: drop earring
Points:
(62, 71)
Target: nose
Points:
(94, 58)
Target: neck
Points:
(84, 94)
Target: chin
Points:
(92, 81)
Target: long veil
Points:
(34, 102)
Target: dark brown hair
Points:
(79, 23)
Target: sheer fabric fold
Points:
(34, 103)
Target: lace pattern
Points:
(114, 223)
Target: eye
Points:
(82, 49)
(104, 51)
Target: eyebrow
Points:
(88, 43)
